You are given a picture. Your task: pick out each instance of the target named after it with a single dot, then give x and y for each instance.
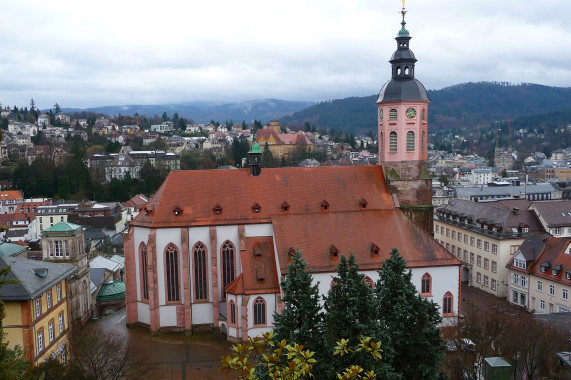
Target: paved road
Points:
(176, 356)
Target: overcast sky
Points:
(113, 52)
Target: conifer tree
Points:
(410, 320)
(350, 314)
(301, 320)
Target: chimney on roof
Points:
(516, 210)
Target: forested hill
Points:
(462, 105)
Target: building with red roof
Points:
(209, 249)
(540, 274)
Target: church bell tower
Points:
(403, 133)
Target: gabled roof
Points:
(30, 284)
(198, 192)
(10, 195)
(555, 253)
(9, 249)
(555, 213)
(102, 262)
(355, 232)
(506, 213)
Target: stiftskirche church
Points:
(210, 248)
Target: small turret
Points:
(255, 158)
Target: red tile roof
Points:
(259, 269)
(10, 194)
(553, 252)
(197, 192)
(355, 232)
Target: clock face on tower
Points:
(381, 114)
(410, 113)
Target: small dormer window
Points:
(556, 269)
(375, 250)
(285, 206)
(362, 204)
(568, 274)
(543, 267)
(177, 211)
(256, 208)
(217, 209)
(333, 251)
(324, 206)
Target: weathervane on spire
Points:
(403, 13)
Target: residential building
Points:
(282, 145)
(105, 167)
(540, 275)
(64, 243)
(484, 236)
(164, 127)
(554, 216)
(37, 308)
(48, 216)
(538, 192)
(10, 200)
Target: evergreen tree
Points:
(301, 320)
(57, 109)
(410, 320)
(351, 313)
(267, 157)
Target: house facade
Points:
(37, 308)
(64, 243)
(540, 275)
(484, 236)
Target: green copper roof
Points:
(111, 291)
(9, 249)
(63, 227)
(255, 148)
(403, 32)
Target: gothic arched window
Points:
(200, 275)
(144, 274)
(447, 309)
(227, 265)
(426, 285)
(259, 311)
(172, 270)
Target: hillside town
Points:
(190, 230)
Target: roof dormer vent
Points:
(41, 272)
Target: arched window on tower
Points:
(406, 70)
(426, 285)
(447, 309)
(172, 268)
(200, 279)
(259, 312)
(393, 114)
(228, 265)
(398, 70)
(423, 113)
(410, 141)
(422, 141)
(382, 142)
(393, 141)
